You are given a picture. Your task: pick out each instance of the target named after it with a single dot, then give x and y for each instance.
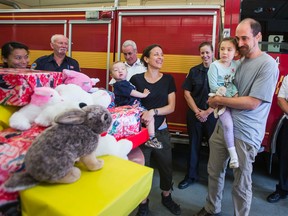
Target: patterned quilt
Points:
(13, 147)
(16, 85)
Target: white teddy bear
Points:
(74, 97)
(74, 93)
(47, 116)
(101, 97)
(108, 145)
(221, 91)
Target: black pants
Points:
(162, 157)
(282, 152)
(196, 131)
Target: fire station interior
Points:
(273, 16)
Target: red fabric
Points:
(16, 85)
(125, 121)
(138, 138)
(13, 147)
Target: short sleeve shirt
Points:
(283, 92)
(48, 63)
(122, 91)
(218, 75)
(196, 83)
(252, 78)
(159, 92)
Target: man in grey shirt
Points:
(255, 80)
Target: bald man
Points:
(249, 113)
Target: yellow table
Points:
(5, 113)
(116, 189)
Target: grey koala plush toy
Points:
(53, 153)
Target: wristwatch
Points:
(155, 112)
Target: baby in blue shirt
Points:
(126, 94)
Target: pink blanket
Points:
(13, 147)
(16, 85)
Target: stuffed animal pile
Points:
(46, 102)
(53, 153)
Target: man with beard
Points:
(249, 113)
(58, 60)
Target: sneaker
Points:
(154, 143)
(143, 209)
(173, 207)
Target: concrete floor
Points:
(192, 198)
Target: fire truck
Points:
(96, 35)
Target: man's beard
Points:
(244, 50)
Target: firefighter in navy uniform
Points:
(200, 119)
(58, 60)
(281, 191)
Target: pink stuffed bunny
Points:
(80, 79)
(41, 98)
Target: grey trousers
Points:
(217, 164)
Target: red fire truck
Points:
(96, 35)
